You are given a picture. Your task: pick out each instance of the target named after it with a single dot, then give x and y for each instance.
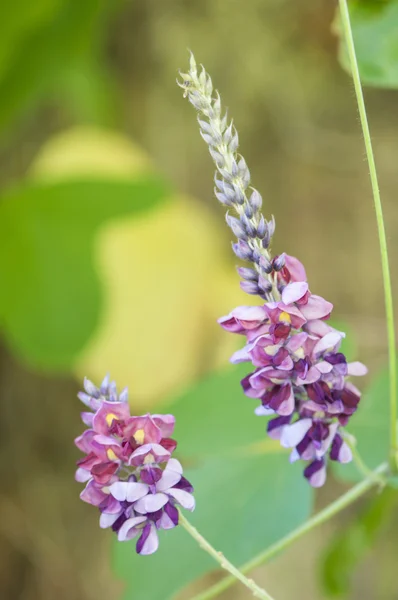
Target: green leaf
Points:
(370, 426)
(350, 546)
(375, 31)
(51, 295)
(246, 499)
(60, 35)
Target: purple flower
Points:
(128, 469)
(300, 375)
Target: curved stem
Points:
(335, 507)
(220, 558)
(346, 26)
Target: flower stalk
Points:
(324, 515)
(347, 32)
(236, 574)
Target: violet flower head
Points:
(300, 377)
(130, 474)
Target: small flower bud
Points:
(248, 274)
(250, 287)
(262, 228)
(264, 284)
(255, 201)
(248, 211)
(236, 227)
(279, 262)
(222, 198)
(248, 225)
(242, 250)
(265, 265)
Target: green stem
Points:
(362, 467)
(335, 507)
(224, 563)
(346, 26)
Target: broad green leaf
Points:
(351, 545)
(51, 295)
(370, 426)
(245, 502)
(66, 33)
(375, 31)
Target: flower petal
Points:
(293, 434)
(184, 498)
(129, 491)
(150, 503)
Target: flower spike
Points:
(300, 376)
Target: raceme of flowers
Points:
(131, 475)
(300, 377)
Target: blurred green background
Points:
(114, 257)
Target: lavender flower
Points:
(300, 376)
(130, 473)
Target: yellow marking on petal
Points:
(299, 353)
(111, 455)
(149, 459)
(271, 350)
(110, 418)
(285, 317)
(139, 436)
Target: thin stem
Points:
(346, 26)
(362, 467)
(220, 558)
(335, 507)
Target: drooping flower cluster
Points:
(300, 376)
(130, 473)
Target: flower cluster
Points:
(130, 473)
(300, 376)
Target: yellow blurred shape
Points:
(89, 151)
(165, 278)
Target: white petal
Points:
(174, 465)
(151, 543)
(262, 411)
(293, 434)
(167, 480)
(107, 520)
(184, 498)
(356, 368)
(151, 503)
(128, 529)
(128, 490)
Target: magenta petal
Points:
(316, 308)
(294, 291)
(92, 494)
(166, 424)
(295, 268)
(150, 503)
